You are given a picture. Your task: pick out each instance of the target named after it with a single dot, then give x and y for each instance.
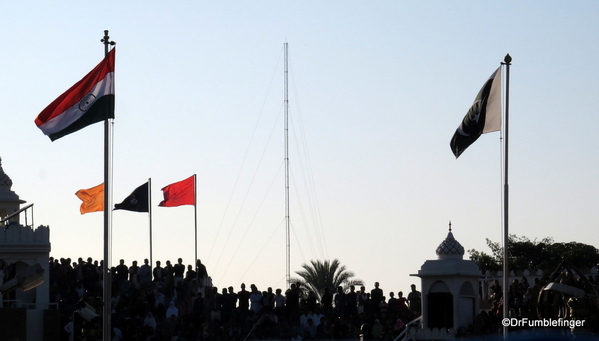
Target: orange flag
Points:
(93, 199)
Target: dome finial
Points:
(450, 248)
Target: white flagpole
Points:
(150, 216)
(507, 63)
(107, 282)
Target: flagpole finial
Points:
(106, 40)
(507, 59)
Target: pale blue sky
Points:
(377, 89)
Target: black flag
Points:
(137, 201)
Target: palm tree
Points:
(318, 275)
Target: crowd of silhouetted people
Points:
(178, 302)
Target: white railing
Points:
(18, 234)
(410, 330)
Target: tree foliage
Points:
(319, 275)
(544, 254)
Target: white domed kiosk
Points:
(450, 298)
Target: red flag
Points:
(179, 193)
(93, 199)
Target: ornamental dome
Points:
(6, 194)
(5, 181)
(450, 247)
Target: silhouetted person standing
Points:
(376, 295)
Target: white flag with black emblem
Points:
(484, 115)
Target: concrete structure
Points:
(450, 298)
(20, 247)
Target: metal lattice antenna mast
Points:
(287, 232)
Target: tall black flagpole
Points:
(150, 217)
(195, 215)
(507, 62)
(107, 282)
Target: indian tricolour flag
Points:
(89, 101)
